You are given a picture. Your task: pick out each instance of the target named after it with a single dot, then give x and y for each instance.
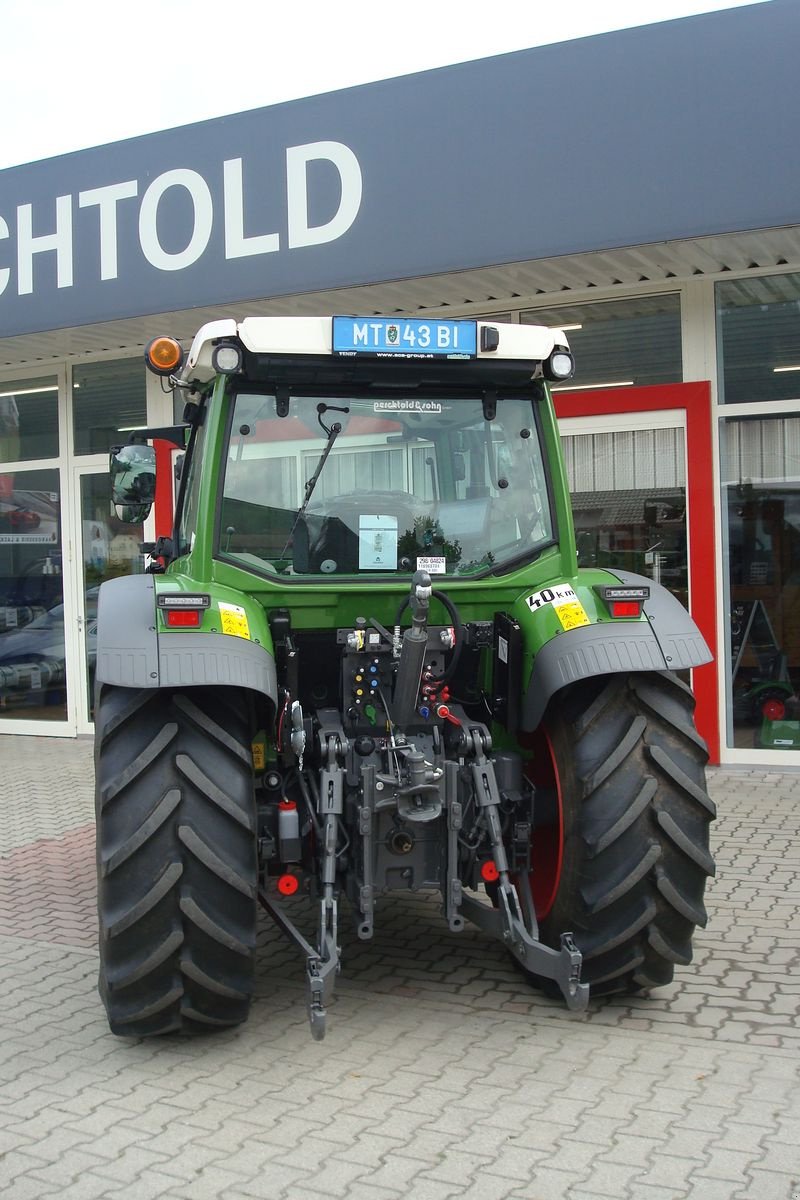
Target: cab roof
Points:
(295, 337)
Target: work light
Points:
(560, 364)
(226, 358)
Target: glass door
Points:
(35, 679)
(639, 461)
(107, 548)
(33, 668)
(628, 486)
(760, 471)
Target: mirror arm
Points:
(176, 434)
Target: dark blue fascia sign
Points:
(404, 337)
(591, 144)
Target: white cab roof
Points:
(314, 335)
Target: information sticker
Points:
(377, 542)
(565, 603)
(234, 620)
(433, 565)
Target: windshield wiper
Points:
(332, 433)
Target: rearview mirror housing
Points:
(133, 479)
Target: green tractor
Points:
(366, 662)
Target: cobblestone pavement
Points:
(442, 1074)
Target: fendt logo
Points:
(100, 213)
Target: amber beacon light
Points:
(164, 355)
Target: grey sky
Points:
(79, 73)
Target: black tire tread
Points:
(163, 810)
(140, 764)
(176, 858)
(637, 815)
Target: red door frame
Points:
(695, 400)
(164, 505)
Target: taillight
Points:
(626, 608)
(623, 601)
(182, 617)
(183, 610)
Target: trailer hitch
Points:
(514, 919)
(505, 922)
(322, 965)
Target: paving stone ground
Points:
(443, 1075)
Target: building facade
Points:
(638, 188)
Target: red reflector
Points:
(288, 884)
(773, 709)
(182, 616)
(489, 873)
(626, 608)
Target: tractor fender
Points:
(668, 641)
(131, 653)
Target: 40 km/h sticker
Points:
(564, 602)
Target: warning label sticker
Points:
(234, 620)
(571, 615)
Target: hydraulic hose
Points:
(455, 619)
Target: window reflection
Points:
(628, 492)
(620, 342)
(110, 548)
(757, 322)
(107, 397)
(28, 419)
(761, 503)
(32, 654)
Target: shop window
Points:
(32, 655)
(107, 397)
(760, 465)
(28, 419)
(757, 339)
(620, 343)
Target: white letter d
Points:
(346, 163)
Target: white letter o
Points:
(199, 191)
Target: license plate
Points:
(404, 338)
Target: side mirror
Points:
(132, 514)
(133, 480)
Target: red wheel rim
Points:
(547, 841)
(773, 710)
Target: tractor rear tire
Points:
(177, 866)
(635, 816)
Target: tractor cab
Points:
(356, 449)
